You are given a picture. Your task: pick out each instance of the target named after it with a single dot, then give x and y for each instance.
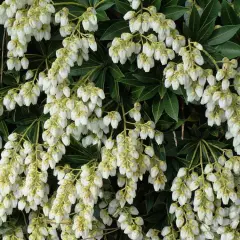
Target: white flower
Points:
(182, 172)
(149, 151)
(129, 15)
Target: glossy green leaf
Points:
(100, 81)
(237, 7)
(228, 15)
(210, 12)
(206, 31)
(115, 71)
(77, 159)
(207, 20)
(202, 3)
(171, 105)
(194, 22)
(105, 5)
(130, 81)
(162, 90)
(157, 3)
(102, 16)
(149, 202)
(137, 91)
(223, 34)
(115, 30)
(114, 86)
(4, 130)
(229, 49)
(123, 6)
(146, 78)
(33, 132)
(157, 108)
(174, 12)
(148, 93)
(167, 3)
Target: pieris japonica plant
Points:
(119, 119)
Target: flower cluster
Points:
(23, 184)
(154, 46)
(26, 95)
(130, 225)
(207, 205)
(212, 90)
(24, 20)
(38, 228)
(15, 234)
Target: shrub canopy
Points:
(120, 119)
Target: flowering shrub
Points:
(120, 119)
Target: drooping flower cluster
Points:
(207, 205)
(16, 234)
(154, 46)
(39, 228)
(25, 96)
(24, 20)
(23, 184)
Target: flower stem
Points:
(102, 1)
(211, 58)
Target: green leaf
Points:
(171, 105)
(4, 130)
(206, 31)
(229, 49)
(194, 22)
(162, 90)
(89, 152)
(157, 3)
(104, 6)
(237, 7)
(228, 15)
(149, 201)
(102, 16)
(77, 159)
(189, 147)
(167, 3)
(174, 12)
(223, 34)
(202, 3)
(33, 132)
(148, 92)
(6, 229)
(207, 20)
(137, 91)
(122, 6)
(130, 81)
(115, 30)
(146, 78)
(157, 108)
(85, 68)
(100, 81)
(210, 12)
(9, 80)
(115, 71)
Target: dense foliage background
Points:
(188, 140)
